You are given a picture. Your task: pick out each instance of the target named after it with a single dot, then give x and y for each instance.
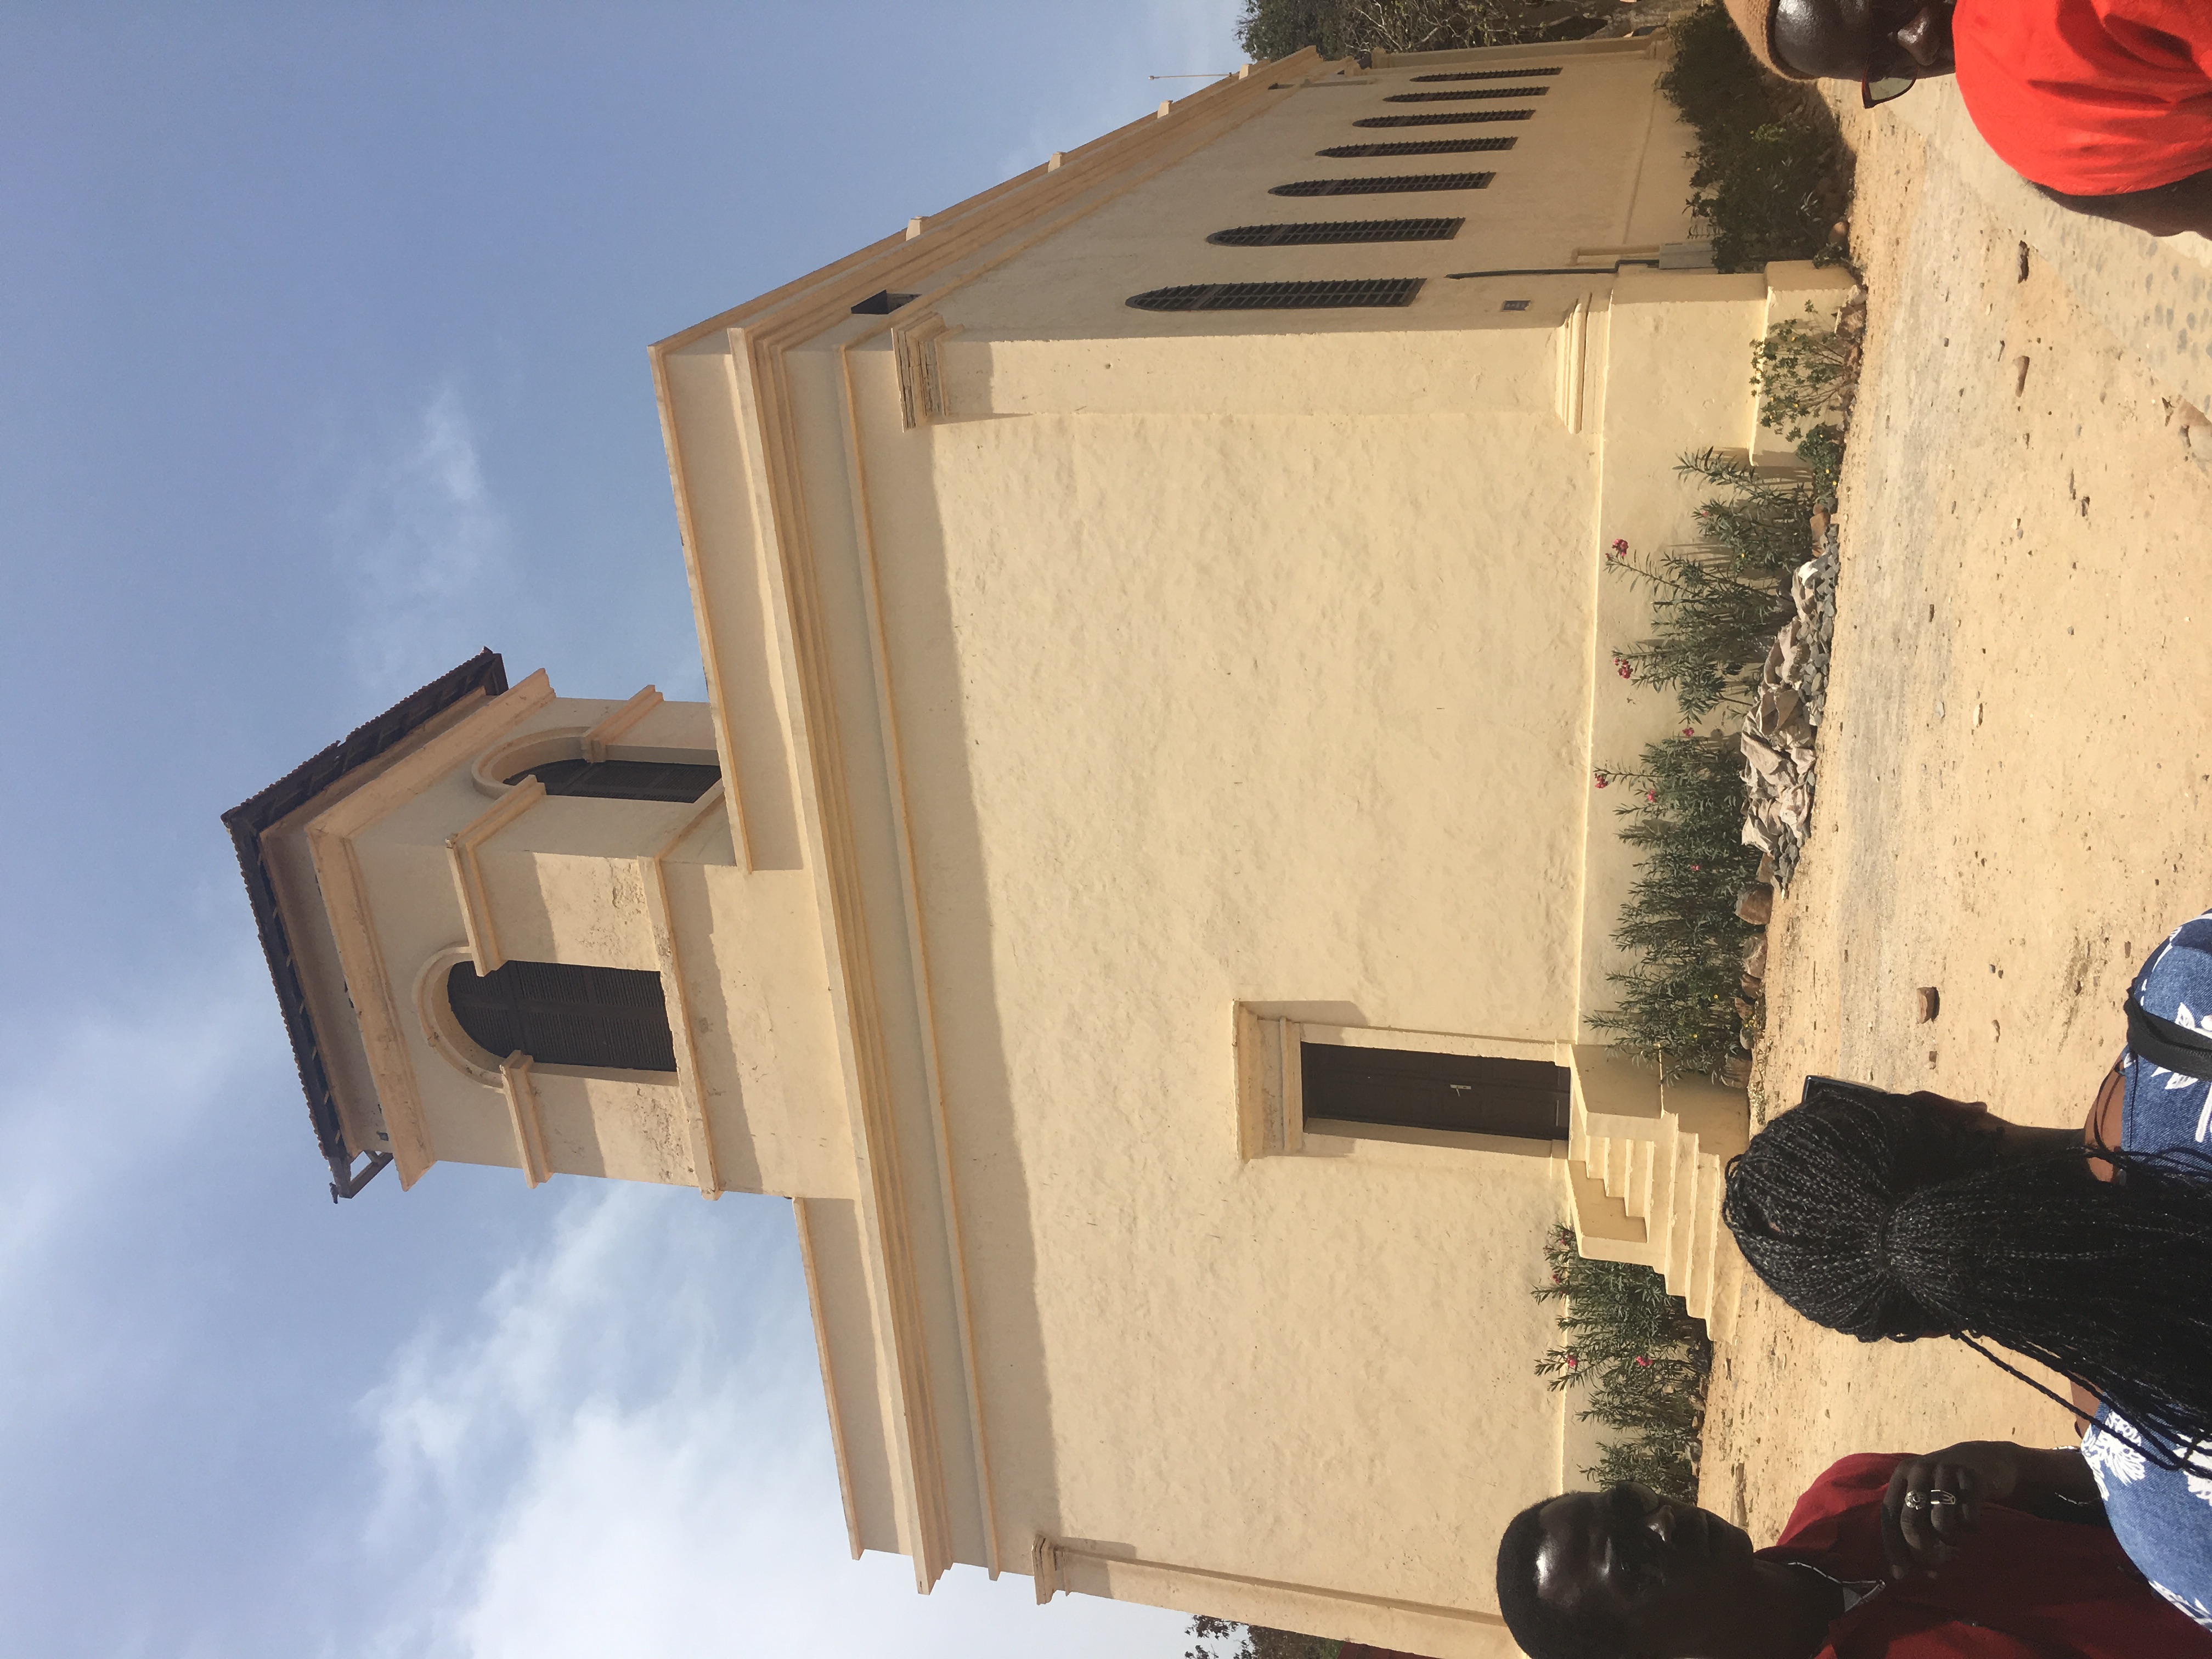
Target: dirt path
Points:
(2016, 777)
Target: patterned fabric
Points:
(2164, 1518)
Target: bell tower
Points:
(492, 916)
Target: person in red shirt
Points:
(2106, 105)
(1982, 1551)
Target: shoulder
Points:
(2090, 97)
(1849, 1485)
(2177, 975)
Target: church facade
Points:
(1135, 882)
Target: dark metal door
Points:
(1411, 1089)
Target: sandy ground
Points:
(2015, 775)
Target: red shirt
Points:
(2025, 1588)
(2090, 97)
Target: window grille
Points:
(1471, 92)
(1341, 230)
(563, 1013)
(1281, 296)
(1490, 74)
(1444, 119)
(1419, 147)
(1515, 305)
(1385, 185)
(622, 780)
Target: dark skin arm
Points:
(1920, 1538)
(2185, 204)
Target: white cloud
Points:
(419, 535)
(626, 1453)
(92, 1101)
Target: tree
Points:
(1223, 1638)
(1344, 28)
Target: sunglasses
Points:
(1874, 91)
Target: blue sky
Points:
(322, 364)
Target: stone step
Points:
(1646, 1169)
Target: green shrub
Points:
(1714, 627)
(1761, 161)
(1802, 373)
(1676, 1009)
(1762, 518)
(1644, 1360)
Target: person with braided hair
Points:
(1894, 1217)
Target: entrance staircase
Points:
(1644, 1173)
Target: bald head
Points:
(1861, 40)
(1627, 1574)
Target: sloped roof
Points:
(486, 671)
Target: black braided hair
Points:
(1881, 1217)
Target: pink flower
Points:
(1601, 779)
(1697, 866)
(1689, 730)
(1651, 795)
(1627, 672)
(1641, 1360)
(1620, 546)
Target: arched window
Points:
(1471, 92)
(1280, 296)
(623, 780)
(562, 1013)
(1448, 119)
(1490, 74)
(1340, 230)
(1419, 147)
(1384, 187)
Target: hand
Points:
(1934, 1502)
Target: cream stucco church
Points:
(1134, 884)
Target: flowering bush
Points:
(1643, 1358)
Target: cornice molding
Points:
(345, 900)
(699, 1130)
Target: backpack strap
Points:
(2160, 1041)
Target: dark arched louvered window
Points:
(1419, 147)
(1470, 92)
(1341, 230)
(623, 780)
(561, 1013)
(1447, 119)
(1281, 296)
(1384, 187)
(1490, 74)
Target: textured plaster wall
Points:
(1287, 709)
